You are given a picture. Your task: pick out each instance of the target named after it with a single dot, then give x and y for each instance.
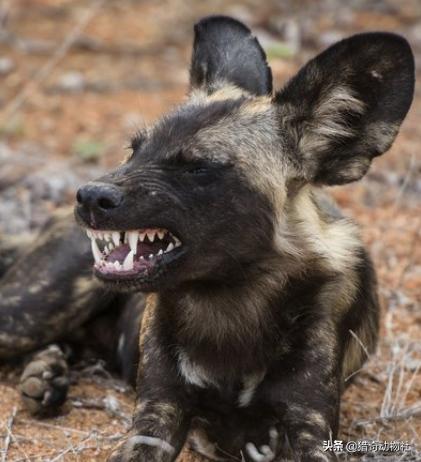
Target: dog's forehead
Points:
(203, 125)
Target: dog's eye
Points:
(198, 170)
(137, 141)
(202, 174)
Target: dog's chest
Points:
(243, 390)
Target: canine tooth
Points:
(170, 247)
(116, 238)
(110, 247)
(177, 242)
(117, 265)
(89, 233)
(161, 234)
(128, 261)
(160, 252)
(132, 238)
(142, 237)
(150, 256)
(95, 251)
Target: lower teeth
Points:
(128, 261)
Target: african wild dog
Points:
(260, 292)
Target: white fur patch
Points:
(193, 373)
(151, 441)
(250, 382)
(121, 342)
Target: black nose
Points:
(99, 196)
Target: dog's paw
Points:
(141, 448)
(265, 453)
(45, 381)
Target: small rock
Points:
(72, 81)
(6, 65)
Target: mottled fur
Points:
(250, 334)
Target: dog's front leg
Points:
(158, 434)
(307, 396)
(161, 418)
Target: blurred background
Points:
(78, 78)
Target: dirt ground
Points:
(79, 77)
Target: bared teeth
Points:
(151, 235)
(113, 239)
(128, 261)
(170, 247)
(132, 238)
(116, 238)
(95, 251)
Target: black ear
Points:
(225, 52)
(345, 106)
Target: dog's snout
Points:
(99, 196)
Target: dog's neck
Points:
(228, 328)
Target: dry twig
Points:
(61, 51)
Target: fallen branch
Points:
(411, 412)
(46, 69)
(8, 438)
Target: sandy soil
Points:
(127, 66)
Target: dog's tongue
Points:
(118, 254)
(144, 250)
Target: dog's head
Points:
(204, 193)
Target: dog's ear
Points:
(345, 106)
(225, 52)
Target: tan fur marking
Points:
(336, 242)
(317, 419)
(147, 318)
(199, 441)
(226, 91)
(356, 353)
(141, 406)
(256, 106)
(327, 120)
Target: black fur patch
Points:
(225, 51)
(344, 107)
